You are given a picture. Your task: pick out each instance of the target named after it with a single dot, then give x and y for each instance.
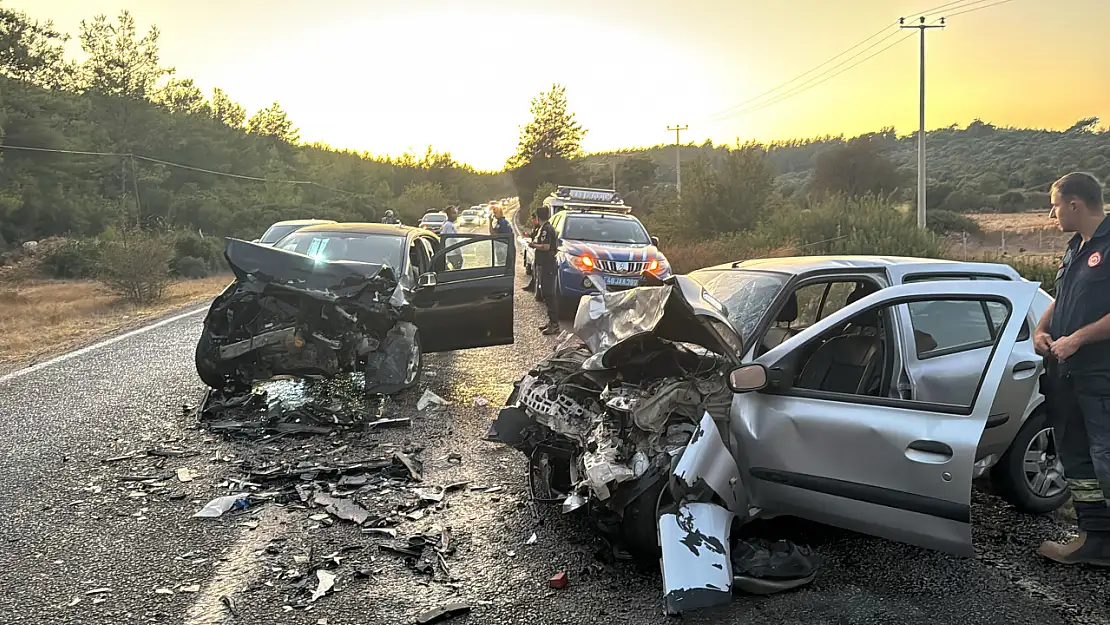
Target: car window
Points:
(366, 248)
(953, 325)
(474, 254)
(996, 310)
(819, 300)
(605, 229)
(274, 233)
(418, 256)
(747, 295)
(434, 218)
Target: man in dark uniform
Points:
(1073, 336)
(545, 243)
(533, 281)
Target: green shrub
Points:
(190, 267)
(210, 250)
(72, 259)
(137, 267)
(947, 222)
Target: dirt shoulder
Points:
(41, 319)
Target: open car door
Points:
(467, 298)
(829, 439)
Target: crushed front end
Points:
(291, 314)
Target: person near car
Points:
(534, 228)
(390, 218)
(544, 243)
(455, 257)
(500, 226)
(1073, 336)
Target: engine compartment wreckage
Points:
(291, 314)
(630, 417)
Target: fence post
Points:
(1003, 241)
(965, 244)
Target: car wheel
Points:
(1030, 475)
(207, 368)
(415, 369)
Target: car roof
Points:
(607, 214)
(805, 264)
(304, 222)
(363, 228)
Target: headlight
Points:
(582, 263)
(657, 265)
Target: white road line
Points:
(84, 350)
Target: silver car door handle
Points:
(1024, 369)
(929, 452)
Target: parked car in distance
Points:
(433, 221)
(472, 218)
(282, 228)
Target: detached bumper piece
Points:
(697, 568)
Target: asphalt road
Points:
(70, 526)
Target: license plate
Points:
(616, 281)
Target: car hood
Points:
(321, 279)
(679, 309)
(612, 251)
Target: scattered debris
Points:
(558, 580)
(97, 591)
(325, 582)
(343, 508)
(430, 400)
(185, 475)
(438, 615)
(191, 588)
(230, 603)
(217, 507)
(480, 402)
(163, 591)
(532, 539)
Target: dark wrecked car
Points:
(355, 298)
(673, 421)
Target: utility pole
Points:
(921, 27)
(678, 154)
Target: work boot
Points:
(1091, 548)
(552, 330)
(529, 287)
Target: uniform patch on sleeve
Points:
(1094, 260)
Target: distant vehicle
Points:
(275, 232)
(433, 221)
(472, 217)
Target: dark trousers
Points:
(546, 274)
(1081, 423)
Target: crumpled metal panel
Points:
(708, 460)
(609, 318)
(696, 563)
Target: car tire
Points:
(419, 355)
(207, 368)
(1008, 478)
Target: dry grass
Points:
(1016, 223)
(45, 318)
(1031, 233)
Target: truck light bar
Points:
(587, 194)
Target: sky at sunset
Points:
(388, 76)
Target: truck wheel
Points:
(1030, 475)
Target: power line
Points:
(133, 157)
(750, 105)
(987, 6)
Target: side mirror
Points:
(748, 378)
(427, 280)
(655, 241)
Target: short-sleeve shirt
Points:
(546, 236)
(1083, 297)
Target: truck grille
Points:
(621, 267)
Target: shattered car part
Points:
(697, 566)
(291, 314)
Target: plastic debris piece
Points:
(430, 399)
(480, 402)
(325, 581)
(73, 602)
(185, 474)
(191, 588)
(438, 615)
(573, 502)
(558, 580)
(163, 591)
(98, 591)
(217, 507)
(429, 494)
(532, 539)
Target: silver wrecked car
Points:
(861, 392)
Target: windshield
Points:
(434, 218)
(383, 249)
(274, 234)
(470, 213)
(605, 229)
(747, 295)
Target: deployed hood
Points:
(322, 279)
(612, 251)
(678, 310)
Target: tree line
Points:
(122, 142)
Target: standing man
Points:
(390, 218)
(1073, 336)
(500, 226)
(534, 278)
(545, 243)
(454, 258)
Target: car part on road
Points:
(292, 314)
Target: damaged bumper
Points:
(290, 314)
